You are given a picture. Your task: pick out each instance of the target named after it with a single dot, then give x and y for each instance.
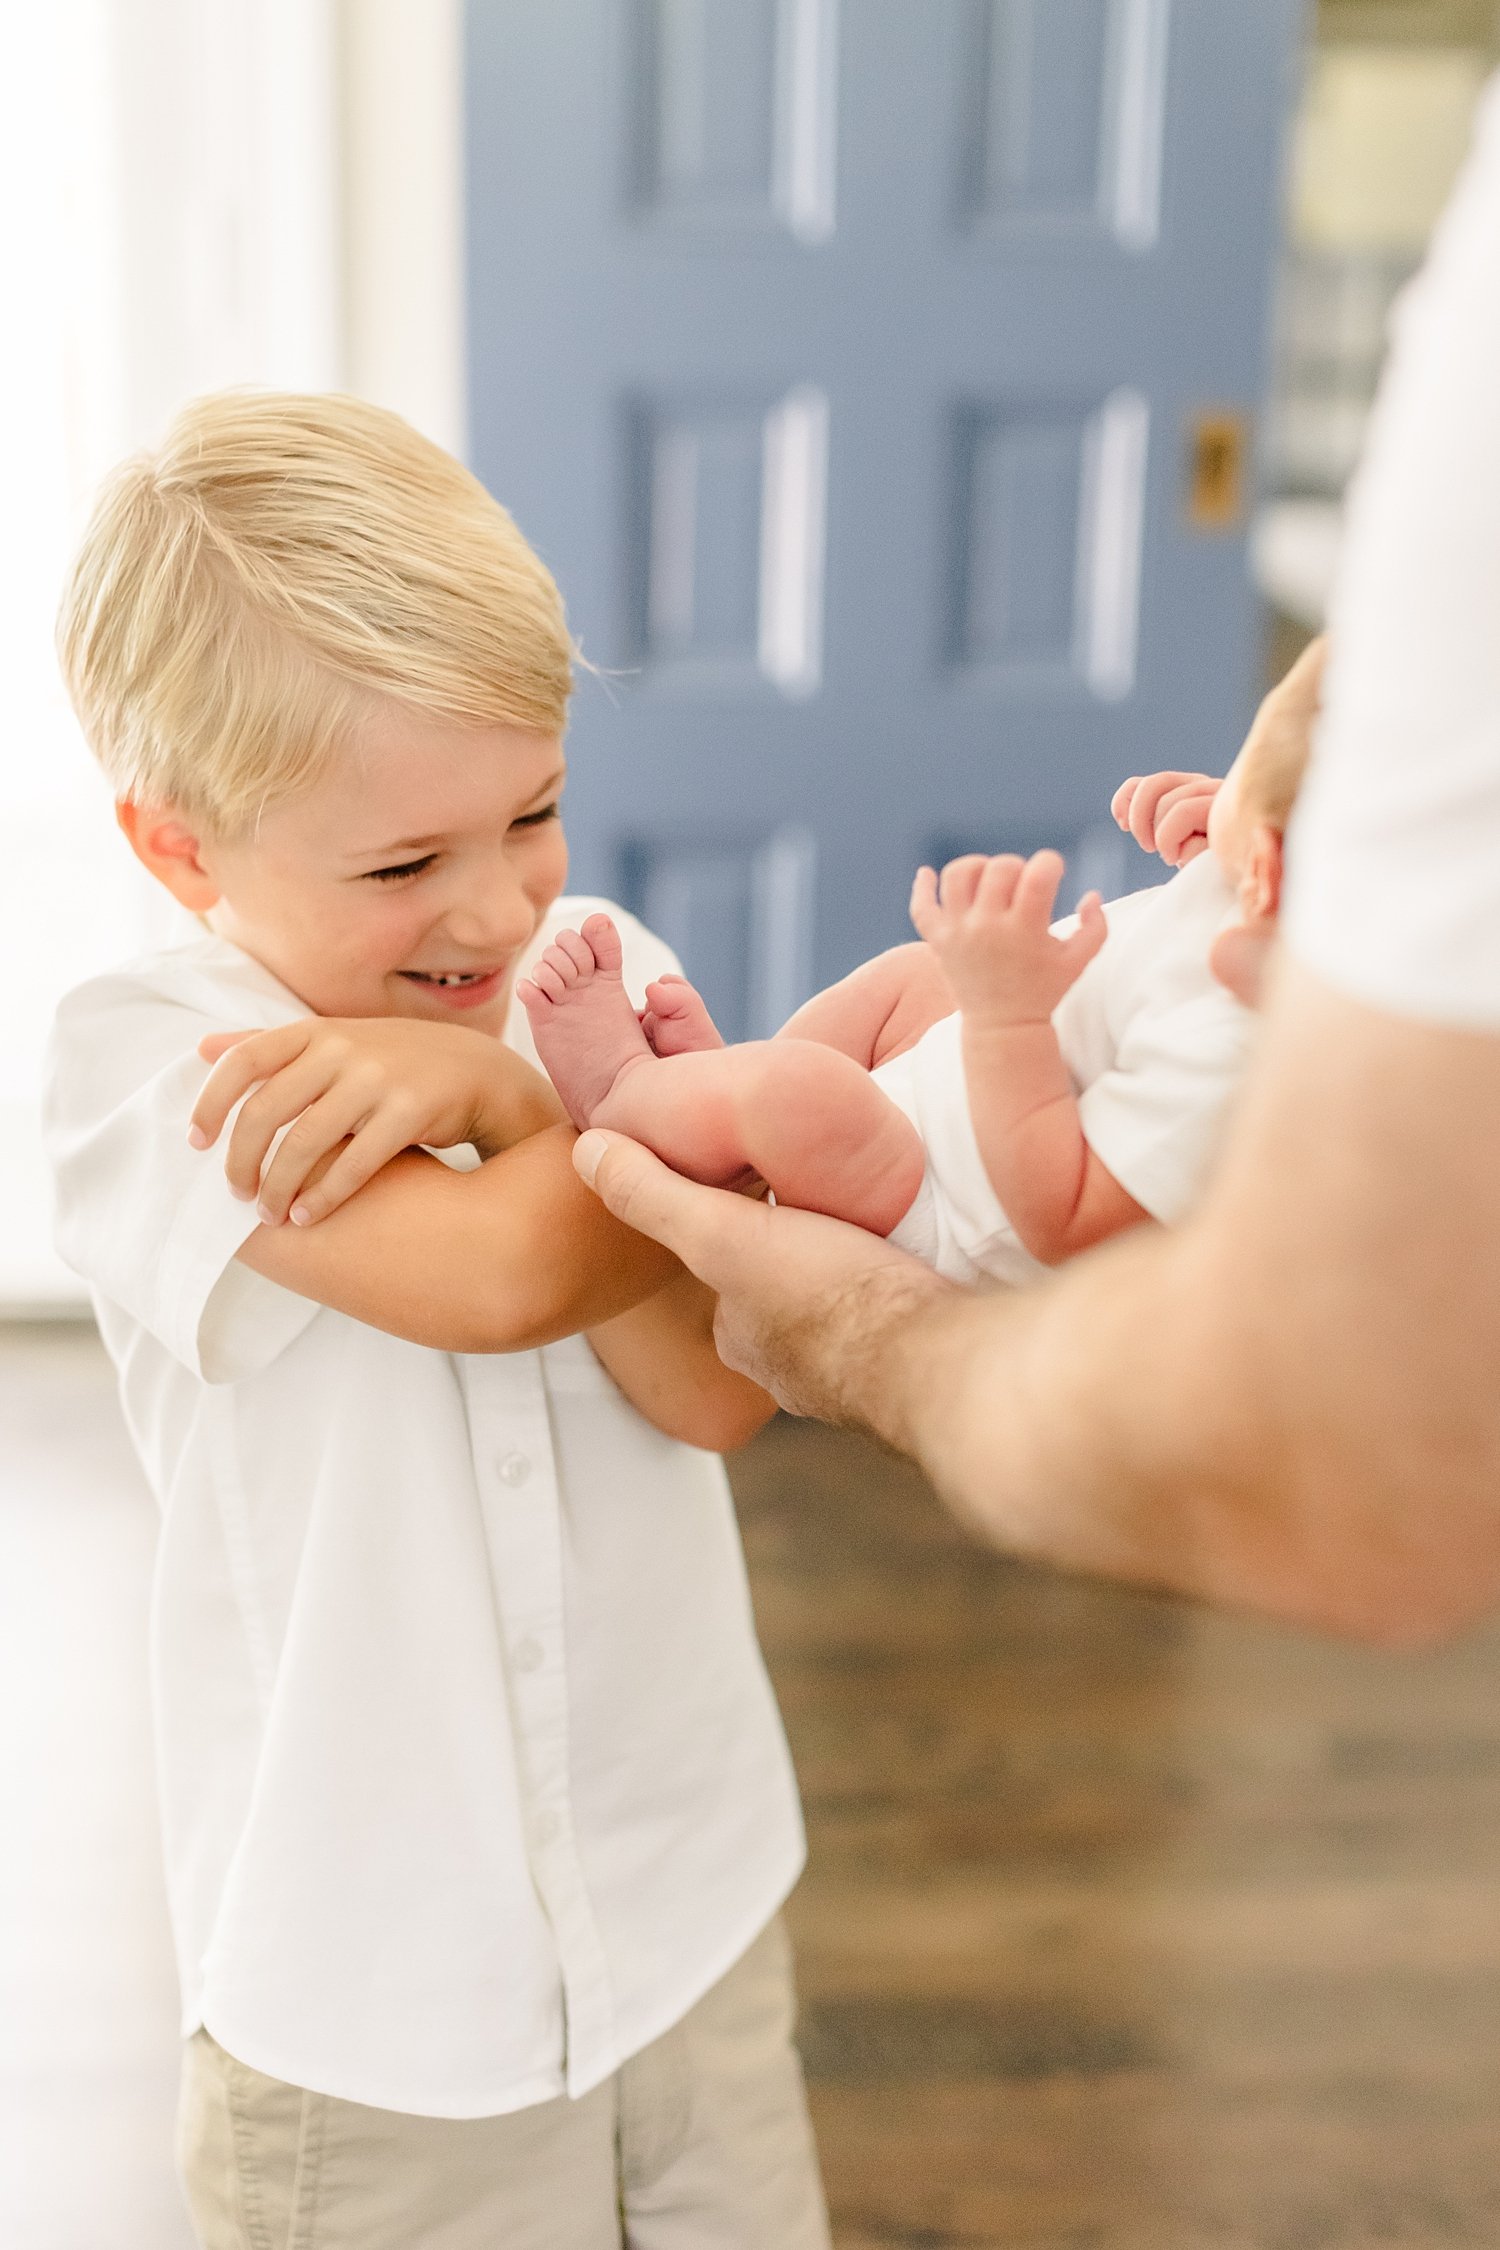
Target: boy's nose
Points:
(495, 920)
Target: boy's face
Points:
(405, 882)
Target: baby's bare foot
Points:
(675, 1020)
(585, 1029)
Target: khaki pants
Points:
(700, 2142)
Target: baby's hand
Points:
(988, 922)
(1167, 813)
(367, 1088)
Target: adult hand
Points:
(805, 1302)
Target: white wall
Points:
(203, 193)
(402, 85)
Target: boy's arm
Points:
(989, 925)
(502, 1259)
(499, 1259)
(663, 1357)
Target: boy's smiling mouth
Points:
(457, 988)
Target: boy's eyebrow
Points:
(428, 843)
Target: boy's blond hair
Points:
(247, 591)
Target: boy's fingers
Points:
(355, 1164)
(341, 1114)
(263, 1114)
(219, 1043)
(247, 1057)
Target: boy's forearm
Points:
(511, 1103)
(505, 1258)
(663, 1358)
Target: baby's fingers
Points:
(240, 1058)
(926, 914)
(1154, 795)
(1037, 885)
(1182, 821)
(1120, 803)
(1084, 942)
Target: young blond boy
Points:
(476, 1805)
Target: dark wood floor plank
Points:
(1126, 1927)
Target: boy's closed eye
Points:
(410, 867)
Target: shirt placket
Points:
(516, 1467)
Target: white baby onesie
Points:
(1155, 1047)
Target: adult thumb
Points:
(648, 1196)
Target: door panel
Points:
(844, 362)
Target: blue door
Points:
(876, 376)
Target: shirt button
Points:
(514, 1469)
(547, 1826)
(530, 1655)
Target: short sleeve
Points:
(1394, 854)
(1155, 1118)
(148, 1222)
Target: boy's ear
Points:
(1260, 887)
(168, 848)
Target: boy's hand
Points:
(366, 1088)
(988, 923)
(1167, 813)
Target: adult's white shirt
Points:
(1394, 855)
(472, 1780)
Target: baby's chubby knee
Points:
(795, 1072)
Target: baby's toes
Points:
(548, 983)
(561, 962)
(603, 941)
(576, 950)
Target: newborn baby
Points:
(1009, 1091)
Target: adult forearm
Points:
(1290, 1404)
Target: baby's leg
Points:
(675, 1020)
(880, 1008)
(807, 1120)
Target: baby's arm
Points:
(988, 922)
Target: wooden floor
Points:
(1125, 1929)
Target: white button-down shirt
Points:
(472, 1779)
(1393, 890)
